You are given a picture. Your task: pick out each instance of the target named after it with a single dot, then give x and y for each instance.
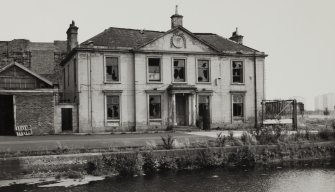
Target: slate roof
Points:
(132, 38)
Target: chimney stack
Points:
(176, 19)
(72, 37)
(236, 37)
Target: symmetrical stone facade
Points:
(116, 89)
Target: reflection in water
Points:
(267, 180)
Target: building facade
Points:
(133, 80)
(325, 101)
(29, 86)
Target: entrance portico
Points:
(182, 105)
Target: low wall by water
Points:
(42, 166)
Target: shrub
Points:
(185, 162)
(150, 164)
(129, 164)
(206, 159)
(221, 139)
(168, 142)
(90, 167)
(325, 133)
(248, 139)
(266, 136)
(166, 163)
(243, 158)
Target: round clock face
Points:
(177, 41)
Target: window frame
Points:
(161, 106)
(105, 68)
(243, 72)
(160, 68)
(209, 71)
(237, 118)
(111, 121)
(172, 70)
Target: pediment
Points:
(16, 76)
(178, 40)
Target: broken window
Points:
(203, 71)
(113, 107)
(154, 69)
(154, 106)
(112, 69)
(179, 70)
(237, 71)
(238, 106)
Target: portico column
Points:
(174, 121)
(194, 110)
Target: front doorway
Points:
(181, 109)
(67, 119)
(204, 112)
(7, 115)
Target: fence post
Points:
(295, 115)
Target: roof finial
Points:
(176, 9)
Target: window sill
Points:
(179, 82)
(111, 121)
(155, 120)
(237, 83)
(204, 83)
(154, 82)
(112, 82)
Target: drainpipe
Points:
(91, 111)
(255, 86)
(134, 75)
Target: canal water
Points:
(306, 178)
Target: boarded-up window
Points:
(112, 69)
(179, 70)
(154, 65)
(237, 71)
(113, 107)
(203, 71)
(154, 106)
(238, 105)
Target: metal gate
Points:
(280, 112)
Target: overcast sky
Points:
(298, 35)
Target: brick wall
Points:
(36, 110)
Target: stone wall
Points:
(36, 110)
(264, 154)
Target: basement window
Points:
(179, 70)
(113, 107)
(112, 69)
(154, 71)
(238, 106)
(203, 70)
(237, 72)
(155, 107)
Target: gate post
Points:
(295, 115)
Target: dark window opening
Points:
(154, 106)
(113, 108)
(179, 70)
(154, 69)
(203, 71)
(112, 69)
(237, 72)
(238, 106)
